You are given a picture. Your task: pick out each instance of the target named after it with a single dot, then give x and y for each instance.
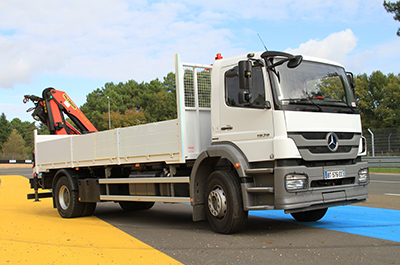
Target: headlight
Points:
(296, 182)
(363, 175)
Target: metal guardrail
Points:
(383, 161)
(15, 161)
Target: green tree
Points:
(14, 147)
(42, 129)
(390, 102)
(169, 82)
(395, 9)
(25, 129)
(5, 129)
(157, 100)
(131, 117)
(161, 106)
(378, 98)
(122, 97)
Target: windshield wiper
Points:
(341, 101)
(294, 100)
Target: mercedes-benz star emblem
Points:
(333, 141)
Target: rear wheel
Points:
(67, 199)
(135, 206)
(89, 208)
(223, 196)
(309, 216)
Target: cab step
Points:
(260, 189)
(260, 207)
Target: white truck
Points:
(261, 131)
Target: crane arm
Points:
(50, 109)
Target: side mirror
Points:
(245, 75)
(350, 79)
(294, 62)
(244, 97)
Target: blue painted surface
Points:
(365, 221)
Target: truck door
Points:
(248, 125)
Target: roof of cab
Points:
(257, 55)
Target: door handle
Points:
(227, 128)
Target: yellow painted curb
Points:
(33, 232)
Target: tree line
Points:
(16, 137)
(133, 103)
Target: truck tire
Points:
(67, 199)
(223, 197)
(309, 216)
(135, 206)
(147, 205)
(88, 208)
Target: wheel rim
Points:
(217, 202)
(64, 197)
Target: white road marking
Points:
(384, 181)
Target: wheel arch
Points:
(205, 164)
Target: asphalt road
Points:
(385, 184)
(26, 171)
(169, 228)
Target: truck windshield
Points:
(312, 86)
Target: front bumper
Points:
(319, 193)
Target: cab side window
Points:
(232, 88)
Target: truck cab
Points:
(294, 125)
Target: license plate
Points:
(336, 174)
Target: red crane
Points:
(50, 109)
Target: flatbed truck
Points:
(260, 131)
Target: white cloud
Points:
(334, 47)
(122, 39)
(341, 47)
(324, 10)
(107, 39)
(22, 57)
(16, 111)
(384, 57)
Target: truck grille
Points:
(333, 182)
(313, 146)
(324, 149)
(322, 135)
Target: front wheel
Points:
(309, 216)
(223, 196)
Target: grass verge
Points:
(384, 170)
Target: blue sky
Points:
(77, 46)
